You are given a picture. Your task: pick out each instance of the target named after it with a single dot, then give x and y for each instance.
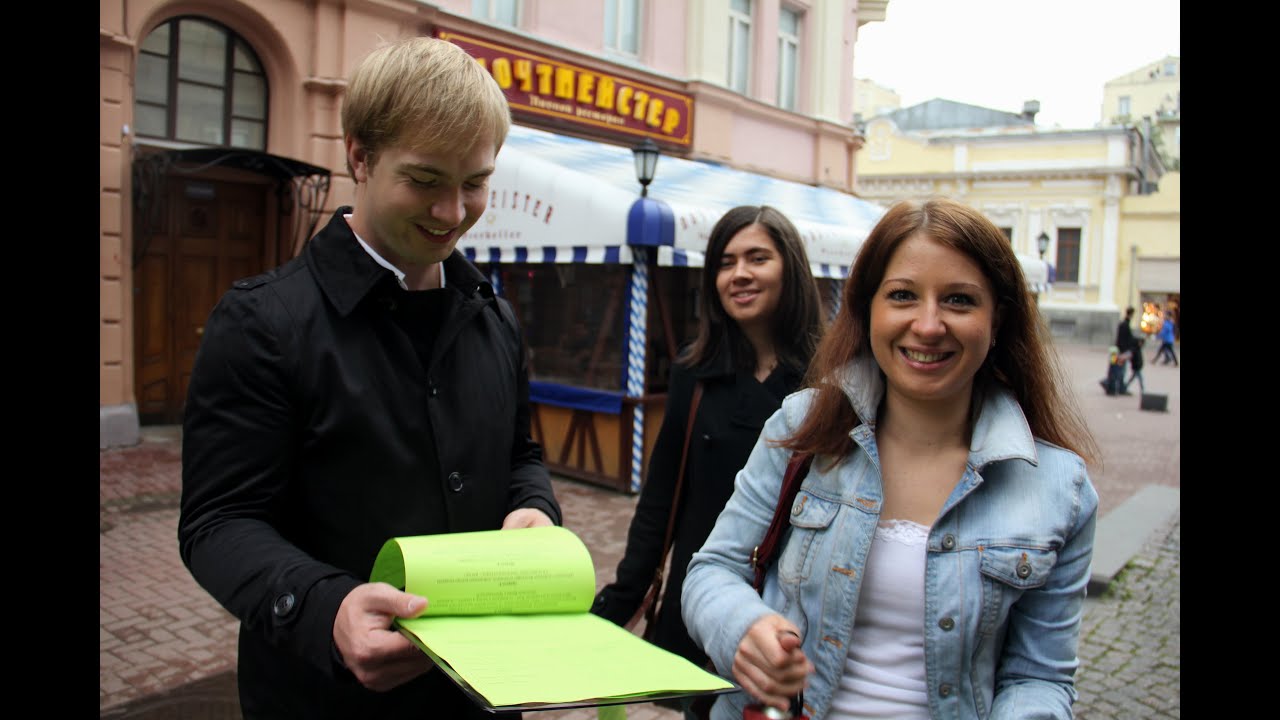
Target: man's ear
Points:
(358, 157)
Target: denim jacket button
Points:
(948, 542)
(946, 623)
(1023, 570)
(944, 690)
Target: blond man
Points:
(372, 387)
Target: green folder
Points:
(508, 620)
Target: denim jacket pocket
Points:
(810, 516)
(1019, 567)
(1007, 572)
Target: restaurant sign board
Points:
(543, 86)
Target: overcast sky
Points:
(1000, 53)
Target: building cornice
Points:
(331, 86)
(1038, 136)
(108, 37)
(871, 11)
(1012, 174)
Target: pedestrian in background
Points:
(938, 550)
(758, 328)
(1135, 363)
(1165, 355)
(1126, 345)
(372, 387)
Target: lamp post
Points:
(646, 163)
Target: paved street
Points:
(167, 650)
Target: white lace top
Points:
(884, 670)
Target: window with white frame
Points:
(622, 26)
(788, 57)
(1122, 108)
(503, 12)
(739, 45)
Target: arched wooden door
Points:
(210, 234)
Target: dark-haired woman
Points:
(759, 325)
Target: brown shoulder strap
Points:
(675, 497)
(797, 468)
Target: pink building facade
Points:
(221, 142)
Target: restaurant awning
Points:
(560, 199)
(555, 198)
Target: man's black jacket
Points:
(313, 434)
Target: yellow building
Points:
(1152, 93)
(871, 99)
(1089, 192)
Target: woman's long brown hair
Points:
(1023, 358)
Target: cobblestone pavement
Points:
(1131, 642)
(167, 650)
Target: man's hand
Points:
(769, 663)
(379, 657)
(525, 518)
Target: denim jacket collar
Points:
(1001, 431)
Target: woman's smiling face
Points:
(750, 277)
(933, 319)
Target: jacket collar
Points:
(1000, 432)
(720, 364)
(346, 273)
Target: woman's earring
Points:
(993, 342)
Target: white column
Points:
(1110, 242)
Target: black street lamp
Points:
(646, 163)
(1042, 242)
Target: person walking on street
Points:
(1135, 363)
(1166, 337)
(372, 387)
(1125, 344)
(759, 325)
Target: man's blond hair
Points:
(425, 91)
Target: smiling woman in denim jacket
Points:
(938, 550)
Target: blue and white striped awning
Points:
(554, 198)
(560, 199)
(594, 255)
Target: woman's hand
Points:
(769, 664)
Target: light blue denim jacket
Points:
(1005, 574)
